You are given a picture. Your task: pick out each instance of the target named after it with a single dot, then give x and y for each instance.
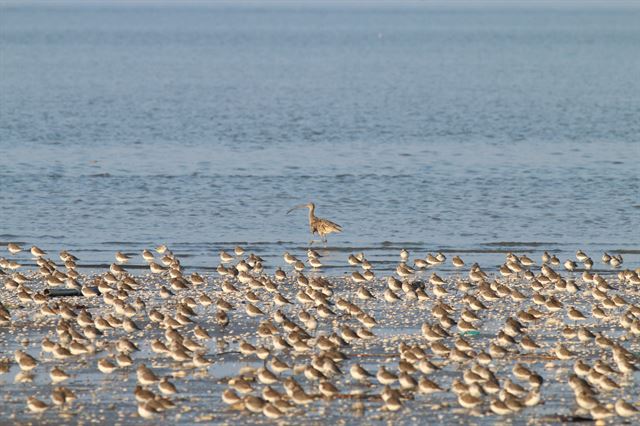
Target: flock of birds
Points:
(313, 336)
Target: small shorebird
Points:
(25, 361)
(359, 373)
(147, 255)
(166, 387)
(404, 255)
(106, 366)
(576, 315)
(570, 265)
(121, 257)
(147, 410)
(322, 227)
(427, 386)
(467, 400)
(35, 405)
(271, 411)
(315, 262)
(562, 352)
(146, 376)
(624, 409)
(14, 248)
(226, 257)
(58, 375)
(581, 256)
(385, 377)
(37, 252)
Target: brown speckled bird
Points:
(319, 226)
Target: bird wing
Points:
(326, 226)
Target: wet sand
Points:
(109, 398)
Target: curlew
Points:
(322, 227)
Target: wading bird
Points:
(319, 226)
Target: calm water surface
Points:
(426, 126)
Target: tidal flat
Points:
(536, 339)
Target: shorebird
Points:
(58, 397)
(226, 257)
(404, 255)
(146, 376)
(25, 361)
(148, 410)
(385, 377)
(393, 403)
(624, 409)
(106, 366)
(147, 255)
(298, 266)
(576, 315)
(37, 252)
(319, 226)
(35, 405)
(570, 265)
(166, 387)
(359, 373)
(467, 400)
(581, 256)
(14, 248)
(457, 262)
(271, 411)
(58, 375)
(121, 257)
(562, 352)
(313, 253)
(315, 262)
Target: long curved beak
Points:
(301, 206)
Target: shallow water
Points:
(426, 126)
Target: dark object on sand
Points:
(62, 292)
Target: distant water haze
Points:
(419, 125)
